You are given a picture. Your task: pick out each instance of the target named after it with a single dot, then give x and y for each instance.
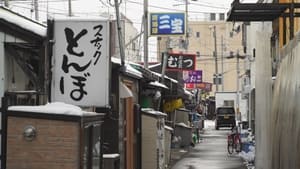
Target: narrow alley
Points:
(211, 152)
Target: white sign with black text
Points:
(81, 62)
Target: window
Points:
(92, 148)
(222, 16)
(212, 16)
(198, 34)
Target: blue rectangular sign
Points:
(167, 23)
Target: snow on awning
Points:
(53, 108)
(158, 74)
(23, 22)
(188, 92)
(157, 84)
(128, 69)
(150, 111)
(168, 128)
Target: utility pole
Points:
(146, 34)
(216, 59)
(121, 46)
(187, 26)
(222, 60)
(120, 37)
(6, 4)
(238, 87)
(70, 8)
(36, 9)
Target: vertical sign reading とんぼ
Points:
(81, 62)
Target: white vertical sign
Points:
(81, 62)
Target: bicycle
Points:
(234, 142)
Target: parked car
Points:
(225, 117)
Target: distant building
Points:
(201, 43)
(130, 40)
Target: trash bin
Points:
(184, 132)
(111, 161)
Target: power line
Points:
(165, 8)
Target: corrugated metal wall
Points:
(285, 117)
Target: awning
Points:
(188, 93)
(16, 22)
(259, 11)
(157, 84)
(128, 68)
(166, 77)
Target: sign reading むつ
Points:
(81, 62)
(180, 62)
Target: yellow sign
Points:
(170, 106)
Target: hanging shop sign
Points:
(181, 62)
(203, 86)
(192, 76)
(167, 24)
(81, 62)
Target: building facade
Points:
(227, 44)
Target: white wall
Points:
(263, 87)
(223, 96)
(285, 117)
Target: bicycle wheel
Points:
(230, 146)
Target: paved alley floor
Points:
(211, 152)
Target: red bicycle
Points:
(234, 142)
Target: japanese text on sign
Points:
(192, 76)
(181, 62)
(167, 23)
(81, 61)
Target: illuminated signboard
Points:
(181, 62)
(167, 24)
(192, 76)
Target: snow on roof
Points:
(169, 128)
(188, 92)
(157, 84)
(167, 77)
(129, 69)
(155, 65)
(80, 18)
(52, 108)
(113, 156)
(153, 112)
(23, 22)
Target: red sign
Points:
(181, 62)
(189, 85)
(204, 86)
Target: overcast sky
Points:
(133, 9)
